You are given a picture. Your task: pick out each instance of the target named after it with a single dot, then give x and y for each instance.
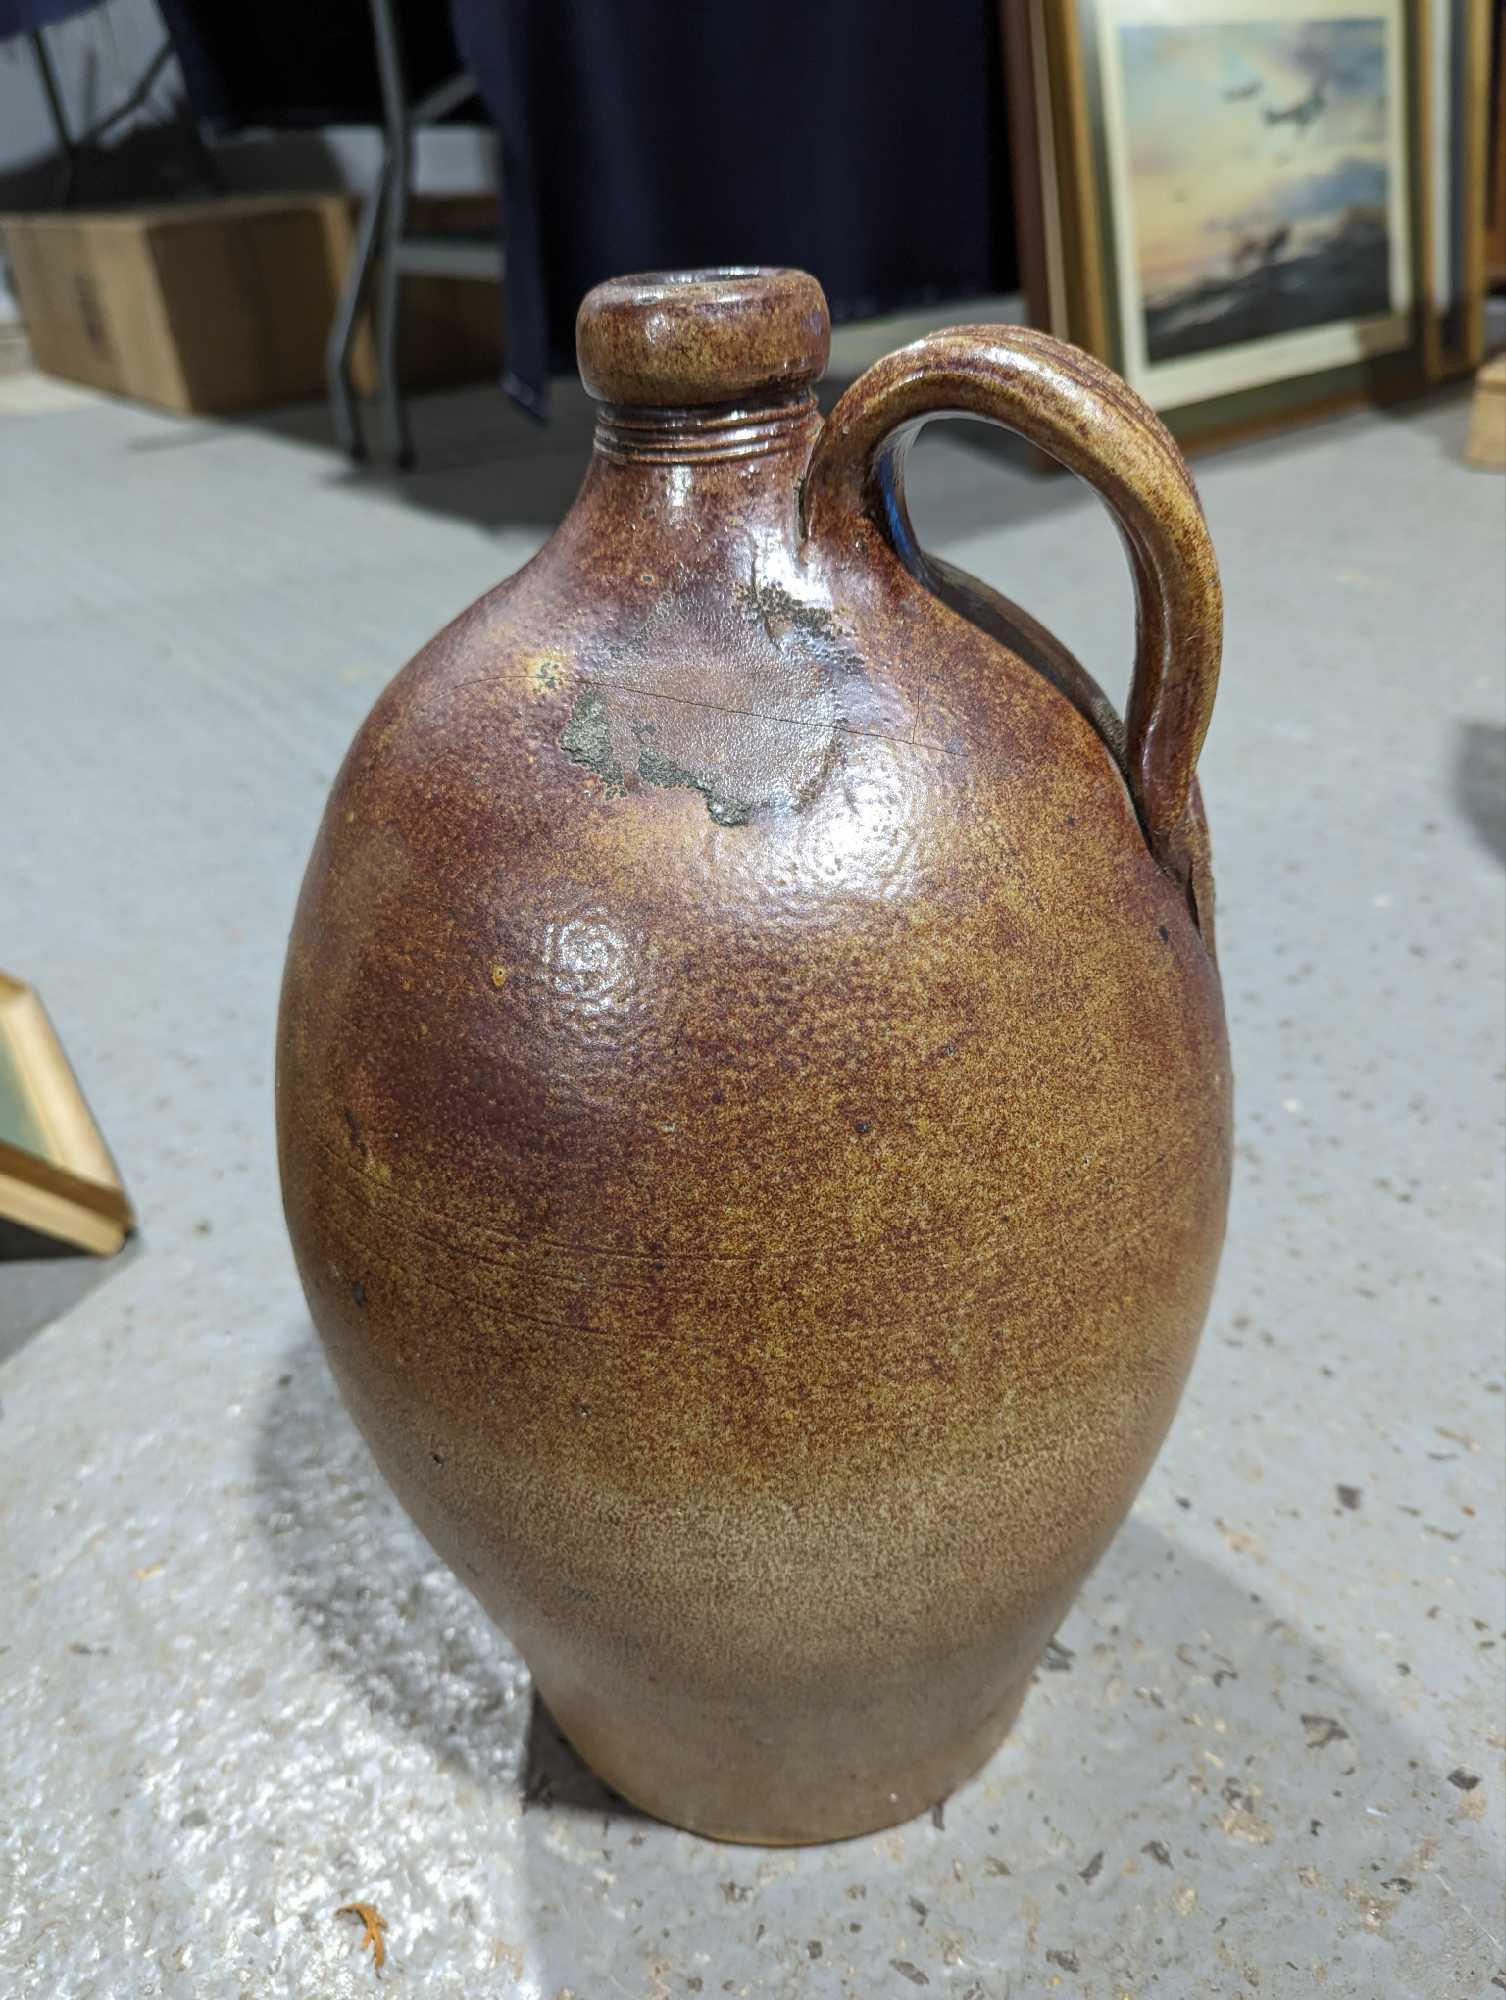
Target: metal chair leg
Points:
(397, 118)
(388, 315)
(344, 409)
(53, 92)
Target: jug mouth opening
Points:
(682, 339)
(711, 276)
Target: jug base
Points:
(865, 1809)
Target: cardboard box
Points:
(226, 305)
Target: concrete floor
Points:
(1264, 1759)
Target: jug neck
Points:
(726, 469)
(703, 379)
(781, 428)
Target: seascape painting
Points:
(1262, 187)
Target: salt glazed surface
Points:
(754, 1105)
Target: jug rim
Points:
(720, 334)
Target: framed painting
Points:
(1234, 206)
(56, 1174)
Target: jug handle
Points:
(1082, 414)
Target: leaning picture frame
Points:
(1454, 45)
(57, 1178)
(1240, 209)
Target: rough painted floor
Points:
(1264, 1759)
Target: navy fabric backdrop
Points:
(21, 17)
(859, 139)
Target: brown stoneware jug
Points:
(753, 1098)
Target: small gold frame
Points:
(56, 1174)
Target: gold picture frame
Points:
(1454, 58)
(1415, 82)
(56, 1174)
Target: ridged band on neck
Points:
(632, 435)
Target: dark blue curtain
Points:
(861, 140)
